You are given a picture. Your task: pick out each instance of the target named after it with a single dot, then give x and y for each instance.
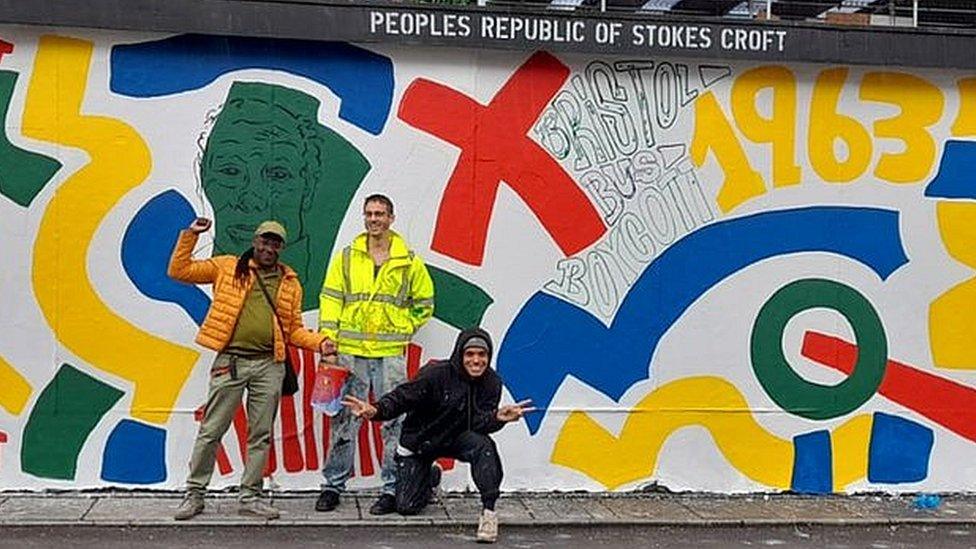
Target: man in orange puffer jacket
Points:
(242, 328)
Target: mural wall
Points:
(712, 276)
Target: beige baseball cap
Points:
(272, 227)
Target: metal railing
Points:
(918, 13)
(924, 13)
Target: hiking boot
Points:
(328, 500)
(384, 506)
(190, 507)
(435, 482)
(487, 527)
(258, 508)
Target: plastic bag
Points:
(328, 390)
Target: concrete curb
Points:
(395, 523)
(154, 510)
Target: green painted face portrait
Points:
(267, 157)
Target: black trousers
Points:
(413, 472)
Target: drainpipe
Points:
(915, 13)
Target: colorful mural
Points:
(713, 276)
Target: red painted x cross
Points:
(495, 147)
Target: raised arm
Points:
(182, 266)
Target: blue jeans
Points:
(383, 374)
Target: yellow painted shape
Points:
(711, 402)
(849, 451)
(779, 130)
(952, 316)
(921, 104)
(965, 124)
(827, 126)
(120, 161)
(14, 389)
(713, 132)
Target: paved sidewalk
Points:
(298, 509)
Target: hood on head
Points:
(457, 357)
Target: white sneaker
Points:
(487, 527)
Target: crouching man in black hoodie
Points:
(451, 407)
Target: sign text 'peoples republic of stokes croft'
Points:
(632, 36)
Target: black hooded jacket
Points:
(443, 401)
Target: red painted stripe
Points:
(308, 416)
(946, 402)
(365, 458)
(377, 441)
(291, 448)
(223, 462)
(240, 428)
(414, 352)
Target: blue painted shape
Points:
(899, 450)
(146, 248)
(362, 80)
(135, 453)
(957, 172)
(812, 464)
(550, 338)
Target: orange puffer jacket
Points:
(228, 298)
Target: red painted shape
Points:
(291, 448)
(223, 462)
(414, 353)
(3, 437)
(240, 428)
(377, 441)
(5, 48)
(495, 147)
(365, 456)
(946, 402)
(308, 415)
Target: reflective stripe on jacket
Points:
(228, 298)
(375, 316)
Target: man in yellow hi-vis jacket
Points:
(376, 294)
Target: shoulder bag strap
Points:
(274, 310)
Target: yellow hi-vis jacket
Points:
(375, 316)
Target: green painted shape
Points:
(792, 392)
(22, 173)
(268, 157)
(457, 301)
(66, 412)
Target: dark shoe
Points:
(383, 506)
(328, 500)
(435, 482)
